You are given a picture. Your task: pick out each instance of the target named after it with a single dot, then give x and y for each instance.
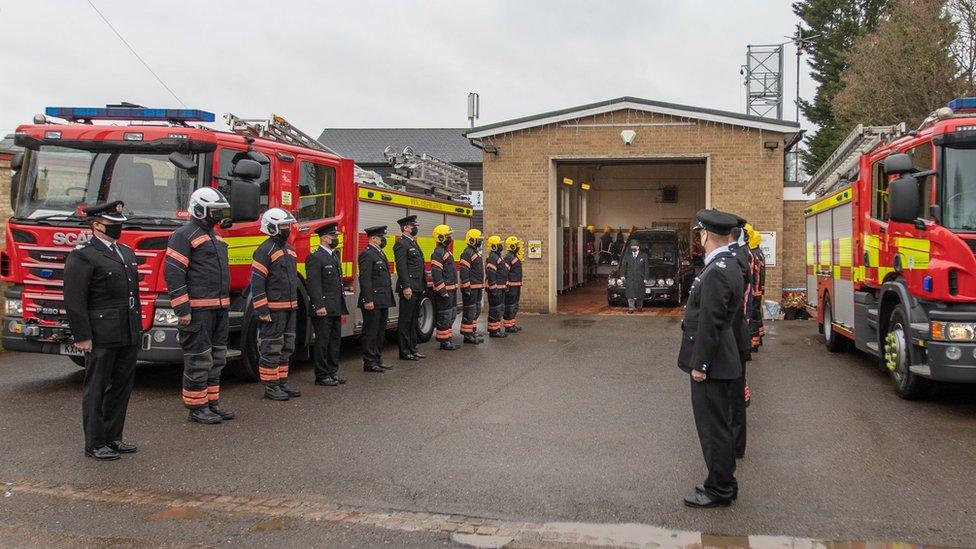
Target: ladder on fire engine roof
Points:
(843, 161)
(428, 174)
(278, 129)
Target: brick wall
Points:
(744, 177)
(793, 253)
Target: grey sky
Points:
(376, 64)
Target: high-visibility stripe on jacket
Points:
(196, 270)
(274, 277)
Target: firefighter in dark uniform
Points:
(758, 288)
(445, 278)
(198, 280)
(101, 297)
(323, 270)
(743, 257)
(274, 296)
(472, 277)
(513, 264)
(496, 273)
(709, 352)
(411, 283)
(375, 298)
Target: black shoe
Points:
(385, 366)
(640, 309)
(292, 393)
(497, 334)
(700, 489)
(419, 355)
(328, 382)
(122, 447)
(473, 340)
(449, 346)
(275, 392)
(513, 330)
(481, 338)
(102, 453)
(204, 415)
(630, 311)
(339, 378)
(224, 414)
(372, 368)
(704, 501)
(409, 357)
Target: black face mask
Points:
(335, 243)
(447, 240)
(113, 231)
(383, 242)
(213, 217)
(413, 230)
(283, 234)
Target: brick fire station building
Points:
(633, 162)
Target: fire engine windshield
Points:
(57, 180)
(959, 189)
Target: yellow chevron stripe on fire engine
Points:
(845, 251)
(386, 196)
(857, 273)
(914, 252)
(825, 252)
(832, 201)
(811, 254)
(872, 245)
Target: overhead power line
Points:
(141, 60)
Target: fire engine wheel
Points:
(247, 367)
(425, 320)
(896, 357)
(835, 343)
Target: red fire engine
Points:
(152, 159)
(890, 245)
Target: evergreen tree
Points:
(838, 23)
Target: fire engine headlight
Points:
(953, 331)
(165, 317)
(14, 307)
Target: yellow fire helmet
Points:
(606, 229)
(512, 243)
(521, 250)
(494, 243)
(754, 237)
(590, 228)
(473, 237)
(441, 232)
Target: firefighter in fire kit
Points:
(198, 280)
(411, 283)
(375, 298)
(710, 354)
(274, 296)
(472, 285)
(323, 268)
(756, 327)
(497, 280)
(513, 264)
(101, 298)
(444, 276)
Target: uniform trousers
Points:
(109, 375)
(374, 328)
(204, 342)
(407, 312)
(712, 403)
(276, 343)
(328, 337)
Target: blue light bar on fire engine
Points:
(129, 113)
(963, 104)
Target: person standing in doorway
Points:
(375, 298)
(101, 298)
(635, 269)
(323, 268)
(411, 283)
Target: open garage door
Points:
(646, 198)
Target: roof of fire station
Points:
(638, 104)
(366, 145)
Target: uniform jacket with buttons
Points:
(101, 295)
(409, 259)
(514, 266)
(324, 273)
(375, 282)
(708, 342)
(196, 269)
(442, 270)
(274, 277)
(743, 259)
(472, 274)
(496, 272)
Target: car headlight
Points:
(660, 282)
(165, 317)
(953, 331)
(14, 307)
(670, 281)
(620, 282)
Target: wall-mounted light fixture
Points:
(567, 181)
(585, 186)
(771, 145)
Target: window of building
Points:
(227, 159)
(316, 191)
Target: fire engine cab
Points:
(152, 159)
(890, 243)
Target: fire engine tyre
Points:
(835, 342)
(425, 319)
(247, 367)
(896, 357)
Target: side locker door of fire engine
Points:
(842, 269)
(812, 295)
(825, 237)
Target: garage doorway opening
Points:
(647, 198)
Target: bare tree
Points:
(963, 49)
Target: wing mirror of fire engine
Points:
(182, 161)
(258, 157)
(898, 164)
(245, 200)
(16, 162)
(903, 199)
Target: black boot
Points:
(499, 333)
(515, 329)
(292, 393)
(273, 392)
(449, 346)
(471, 338)
(224, 414)
(204, 415)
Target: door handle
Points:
(304, 228)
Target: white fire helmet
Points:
(205, 199)
(275, 219)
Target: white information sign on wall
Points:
(478, 200)
(768, 246)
